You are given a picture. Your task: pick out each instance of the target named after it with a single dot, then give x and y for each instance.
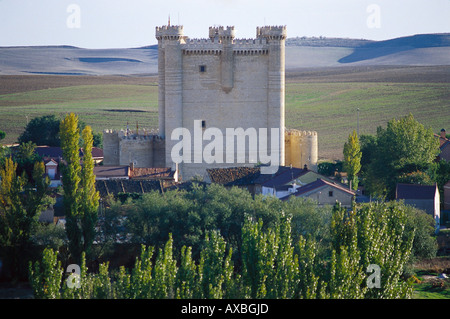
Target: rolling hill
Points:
(418, 50)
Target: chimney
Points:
(442, 137)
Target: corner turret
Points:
(171, 32)
(271, 32)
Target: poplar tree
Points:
(89, 196)
(80, 196)
(352, 159)
(71, 170)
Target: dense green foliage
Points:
(42, 130)
(398, 151)
(271, 266)
(20, 205)
(272, 249)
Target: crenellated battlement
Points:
(300, 133)
(171, 32)
(141, 134)
(271, 32)
(250, 41)
(215, 47)
(222, 33)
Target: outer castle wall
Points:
(301, 149)
(124, 148)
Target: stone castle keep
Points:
(221, 82)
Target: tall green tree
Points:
(25, 157)
(45, 277)
(20, 205)
(80, 196)
(42, 130)
(71, 179)
(90, 197)
(352, 159)
(404, 146)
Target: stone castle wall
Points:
(123, 148)
(301, 148)
(221, 82)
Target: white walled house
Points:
(423, 197)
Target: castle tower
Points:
(226, 37)
(276, 37)
(170, 83)
(111, 147)
(301, 149)
(221, 82)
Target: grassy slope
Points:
(101, 106)
(329, 107)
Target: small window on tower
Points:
(202, 68)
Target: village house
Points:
(325, 192)
(424, 197)
(282, 183)
(251, 179)
(288, 181)
(52, 157)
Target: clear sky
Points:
(131, 23)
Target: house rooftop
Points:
(152, 173)
(233, 176)
(415, 191)
(236, 176)
(319, 183)
(118, 186)
(283, 176)
(111, 171)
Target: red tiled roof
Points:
(111, 171)
(152, 172)
(233, 175)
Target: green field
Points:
(330, 108)
(101, 106)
